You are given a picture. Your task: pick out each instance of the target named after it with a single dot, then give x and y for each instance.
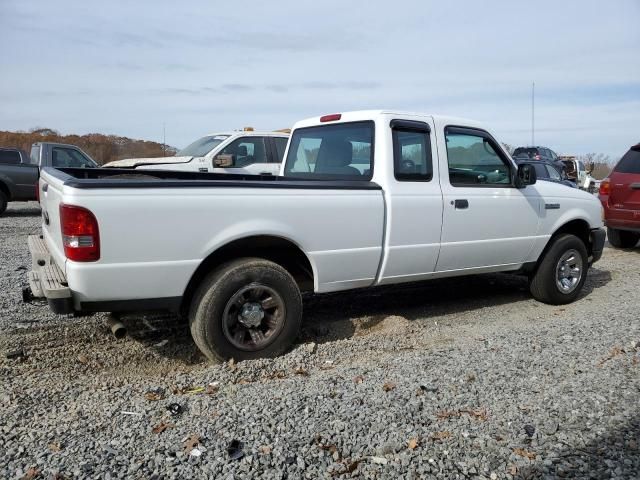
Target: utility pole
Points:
(533, 110)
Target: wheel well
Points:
(4, 189)
(279, 250)
(579, 228)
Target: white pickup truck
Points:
(364, 199)
(240, 152)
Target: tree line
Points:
(102, 148)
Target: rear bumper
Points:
(46, 279)
(597, 236)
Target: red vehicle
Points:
(620, 197)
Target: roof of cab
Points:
(361, 115)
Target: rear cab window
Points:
(342, 151)
(9, 157)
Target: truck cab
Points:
(245, 152)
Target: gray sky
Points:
(125, 67)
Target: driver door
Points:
(487, 222)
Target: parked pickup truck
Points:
(19, 172)
(242, 152)
(364, 199)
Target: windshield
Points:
(202, 146)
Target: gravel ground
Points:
(457, 378)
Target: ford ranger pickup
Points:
(363, 199)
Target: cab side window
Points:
(474, 160)
(246, 151)
(69, 158)
(412, 159)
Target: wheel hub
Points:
(251, 314)
(569, 271)
(253, 317)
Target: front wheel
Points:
(562, 271)
(622, 238)
(247, 308)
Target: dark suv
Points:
(620, 197)
(535, 153)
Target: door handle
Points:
(460, 204)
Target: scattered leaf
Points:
(524, 453)
(31, 473)
(82, 358)
(479, 413)
(301, 371)
(512, 470)
(615, 351)
(212, 388)
(154, 395)
(55, 447)
(191, 443)
(446, 414)
(358, 379)
(265, 449)
(194, 390)
(388, 386)
(440, 435)
(351, 465)
(412, 443)
(161, 427)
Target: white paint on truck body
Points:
(153, 239)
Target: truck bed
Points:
(91, 178)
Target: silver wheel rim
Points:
(569, 271)
(253, 317)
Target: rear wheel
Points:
(3, 202)
(622, 238)
(561, 272)
(248, 308)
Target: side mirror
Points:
(223, 160)
(526, 175)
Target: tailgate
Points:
(51, 189)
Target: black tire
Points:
(217, 308)
(622, 238)
(3, 202)
(545, 284)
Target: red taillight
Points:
(331, 118)
(605, 187)
(80, 236)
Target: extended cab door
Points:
(487, 221)
(414, 203)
